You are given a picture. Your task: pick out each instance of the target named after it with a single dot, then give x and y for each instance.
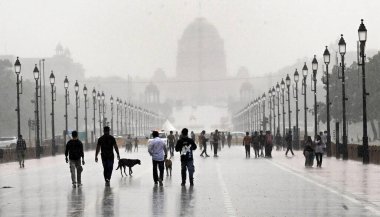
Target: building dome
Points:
(246, 91)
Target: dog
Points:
(123, 163)
(168, 166)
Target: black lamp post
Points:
(278, 108)
(18, 82)
(283, 109)
(94, 116)
(362, 32)
(304, 73)
(314, 65)
(270, 109)
(52, 82)
(117, 115)
(85, 116)
(326, 59)
(296, 133)
(287, 81)
(66, 86)
(98, 96)
(264, 118)
(103, 97)
(76, 88)
(111, 100)
(36, 74)
(274, 111)
(342, 51)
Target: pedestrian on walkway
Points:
(106, 144)
(278, 141)
(157, 149)
(229, 139)
(223, 138)
(211, 140)
(215, 141)
(288, 140)
(268, 144)
(247, 144)
(185, 146)
(136, 144)
(256, 144)
(20, 149)
(203, 143)
(319, 149)
(128, 144)
(262, 143)
(74, 149)
(324, 139)
(192, 135)
(171, 143)
(308, 152)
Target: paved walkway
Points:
(226, 186)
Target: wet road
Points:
(230, 185)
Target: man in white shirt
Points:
(157, 149)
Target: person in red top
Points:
(247, 143)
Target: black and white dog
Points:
(123, 163)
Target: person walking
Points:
(211, 140)
(308, 152)
(268, 144)
(186, 146)
(136, 144)
(203, 143)
(229, 139)
(176, 136)
(289, 143)
(74, 149)
(319, 149)
(20, 149)
(106, 144)
(256, 144)
(157, 149)
(128, 144)
(247, 144)
(324, 139)
(262, 143)
(223, 138)
(171, 143)
(192, 135)
(215, 142)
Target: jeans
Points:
(247, 151)
(189, 165)
(171, 149)
(160, 165)
(204, 149)
(215, 148)
(76, 165)
(318, 157)
(108, 167)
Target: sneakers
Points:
(160, 182)
(107, 182)
(207, 155)
(74, 185)
(80, 185)
(191, 183)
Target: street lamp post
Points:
(104, 109)
(304, 73)
(94, 117)
(53, 92)
(315, 68)
(278, 109)
(283, 109)
(66, 86)
(326, 59)
(270, 109)
(287, 81)
(274, 111)
(117, 116)
(264, 118)
(342, 51)
(111, 100)
(100, 113)
(76, 88)
(85, 116)
(296, 79)
(362, 32)
(36, 74)
(18, 82)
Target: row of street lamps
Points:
(253, 118)
(137, 120)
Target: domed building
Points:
(200, 60)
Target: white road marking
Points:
(326, 187)
(226, 196)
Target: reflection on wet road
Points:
(226, 186)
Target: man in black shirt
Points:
(21, 148)
(185, 146)
(74, 149)
(106, 144)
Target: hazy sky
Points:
(112, 37)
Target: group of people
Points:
(315, 149)
(261, 143)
